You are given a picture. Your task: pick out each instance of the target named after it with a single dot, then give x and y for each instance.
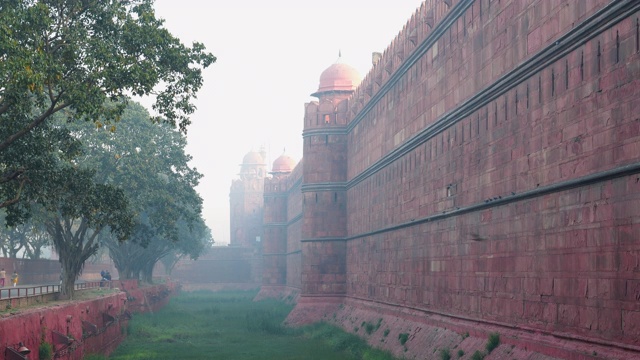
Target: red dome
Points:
(339, 77)
(283, 163)
(253, 158)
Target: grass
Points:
(230, 325)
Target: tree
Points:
(202, 241)
(148, 162)
(30, 165)
(84, 56)
(136, 261)
(30, 238)
(79, 209)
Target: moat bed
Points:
(230, 325)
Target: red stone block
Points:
(609, 321)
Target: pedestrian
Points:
(14, 278)
(3, 276)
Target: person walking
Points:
(3, 276)
(14, 278)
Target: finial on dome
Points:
(339, 53)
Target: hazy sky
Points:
(270, 57)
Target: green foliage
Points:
(95, 357)
(386, 332)
(150, 164)
(403, 337)
(266, 321)
(477, 355)
(45, 351)
(344, 342)
(460, 353)
(230, 325)
(77, 58)
(492, 342)
(445, 354)
(79, 61)
(369, 328)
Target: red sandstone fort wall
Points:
(489, 181)
(221, 265)
(294, 228)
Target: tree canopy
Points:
(149, 163)
(83, 57)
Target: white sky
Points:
(270, 57)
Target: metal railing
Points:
(10, 292)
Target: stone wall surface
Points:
(81, 327)
(222, 265)
(487, 168)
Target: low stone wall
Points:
(426, 334)
(81, 327)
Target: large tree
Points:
(84, 56)
(78, 209)
(149, 163)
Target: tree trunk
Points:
(75, 244)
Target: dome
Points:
(283, 163)
(338, 77)
(252, 158)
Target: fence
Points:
(38, 290)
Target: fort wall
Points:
(490, 165)
(281, 245)
(234, 266)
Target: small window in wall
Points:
(451, 190)
(327, 119)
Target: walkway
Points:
(11, 292)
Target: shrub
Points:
(477, 355)
(369, 327)
(403, 337)
(445, 354)
(493, 342)
(45, 351)
(460, 353)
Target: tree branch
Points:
(17, 198)
(37, 121)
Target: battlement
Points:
(420, 25)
